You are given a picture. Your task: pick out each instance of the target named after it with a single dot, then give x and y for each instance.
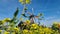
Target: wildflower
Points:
(25, 30)
(0, 30)
(16, 29)
(2, 22)
(46, 29)
(20, 0)
(27, 1)
(36, 30)
(27, 21)
(13, 32)
(9, 28)
(33, 25)
(42, 32)
(6, 32)
(12, 24)
(30, 32)
(7, 19)
(24, 2)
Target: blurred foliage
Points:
(25, 1)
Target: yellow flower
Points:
(30, 32)
(7, 19)
(42, 32)
(24, 2)
(25, 31)
(12, 24)
(9, 28)
(27, 21)
(0, 30)
(47, 30)
(36, 31)
(16, 29)
(13, 32)
(20, 0)
(2, 22)
(27, 1)
(6, 32)
(33, 25)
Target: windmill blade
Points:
(24, 15)
(32, 11)
(36, 16)
(29, 13)
(24, 9)
(40, 14)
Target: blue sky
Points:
(50, 9)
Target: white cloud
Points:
(49, 20)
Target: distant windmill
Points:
(32, 16)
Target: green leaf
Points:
(16, 13)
